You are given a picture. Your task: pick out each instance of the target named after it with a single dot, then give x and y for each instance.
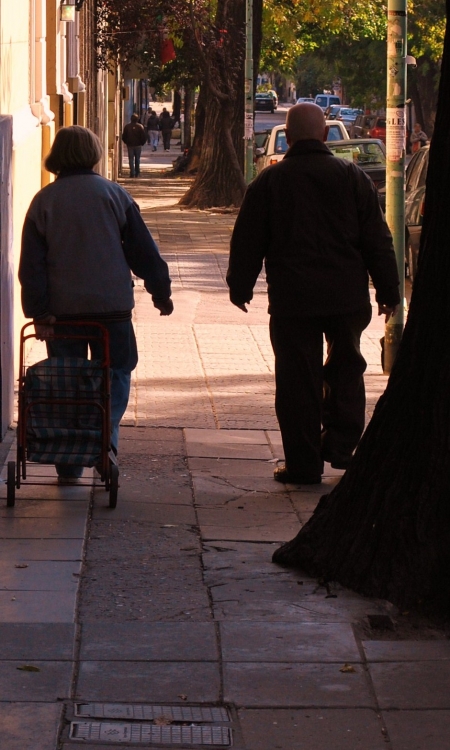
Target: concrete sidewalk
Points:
(164, 622)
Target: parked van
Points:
(326, 100)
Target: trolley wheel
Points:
(11, 484)
(113, 485)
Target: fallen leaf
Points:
(162, 721)
(28, 668)
(347, 668)
(21, 565)
(183, 696)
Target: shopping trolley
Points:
(64, 414)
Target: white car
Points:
(275, 145)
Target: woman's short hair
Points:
(74, 147)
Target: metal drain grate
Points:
(142, 712)
(101, 731)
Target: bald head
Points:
(305, 121)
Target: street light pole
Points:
(248, 113)
(395, 166)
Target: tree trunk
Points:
(176, 111)
(423, 89)
(385, 529)
(188, 97)
(200, 117)
(219, 180)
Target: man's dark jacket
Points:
(134, 135)
(316, 221)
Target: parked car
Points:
(367, 153)
(264, 103)
(416, 176)
(369, 126)
(275, 146)
(302, 99)
(325, 100)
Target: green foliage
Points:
(317, 40)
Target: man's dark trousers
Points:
(320, 407)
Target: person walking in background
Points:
(134, 137)
(153, 130)
(144, 121)
(316, 222)
(82, 237)
(418, 138)
(166, 127)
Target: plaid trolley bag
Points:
(64, 418)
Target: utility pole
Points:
(248, 113)
(395, 166)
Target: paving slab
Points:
(248, 470)
(39, 576)
(225, 437)
(312, 729)
(148, 682)
(157, 513)
(161, 479)
(247, 598)
(156, 489)
(145, 588)
(43, 528)
(23, 550)
(48, 501)
(29, 726)
(217, 491)
(260, 641)
(127, 539)
(42, 606)
(218, 450)
(53, 641)
(284, 684)
(397, 684)
(150, 641)
(418, 730)
(247, 525)
(407, 650)
(51, 683)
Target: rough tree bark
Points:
(218, 152)
(423, 90)
(385, 529)
(219, 180)
(188, 99)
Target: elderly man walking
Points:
(315, 221)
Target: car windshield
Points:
(263, 96)
(334, 133)
(363, 154)
(280, 142)
(261, 138)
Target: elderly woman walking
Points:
(82, 237)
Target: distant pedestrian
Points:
(153, 130)
(82, 237)
(418, 138)
(316, 223)
(134, 137)
(166, 127)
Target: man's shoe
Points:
(281, 474)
